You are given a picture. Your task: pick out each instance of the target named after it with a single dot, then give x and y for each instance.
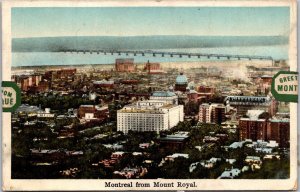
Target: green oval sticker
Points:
(11, 96)
(285, 86)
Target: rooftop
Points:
(148, 106)
(118, 153)
(230, 173)
(235, 145)
(252, 99)
(283, 120)
(103, 82)
(86, 105)
(253, 158)
(163, 94)
(254, 114)
(178, 136)
(27, 108)
(249, 119)
(176, 155)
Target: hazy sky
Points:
(44, 22)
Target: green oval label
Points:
(285, 86)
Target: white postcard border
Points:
(91, 184)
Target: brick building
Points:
(125, 65)
(93, 112)
(43, 86)
(212, 113)
(27, 81)
(206, 89)
(279, 130)
(153, 68)
(25, 84)
(60, 74)
(218, 113)
(262, 129)
(206, 92)
(254, 129)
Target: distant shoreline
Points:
(63, 43)
(166, 65)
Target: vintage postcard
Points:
(149, 95)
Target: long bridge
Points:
(170, 54)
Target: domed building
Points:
(181, 83)
(167, 96)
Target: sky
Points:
(144, 21)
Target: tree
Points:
(178, 169)
(200, 172)
(264, 115)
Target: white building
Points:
(46, 113)
(150, 115)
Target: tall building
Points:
(279, 130)
(254, 129)
(124, 65)
(25, 84)
(149, 115)
(265, 129)
(218, 113)
(167, 96)
(181, 83)
(204, 113)
(245, 103)
(212, 113)
(36, 80)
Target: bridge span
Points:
(170, 54)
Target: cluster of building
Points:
(152, 102)
(37, 82)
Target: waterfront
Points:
(52, 58)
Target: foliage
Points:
(277, 169)
(178, 169)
